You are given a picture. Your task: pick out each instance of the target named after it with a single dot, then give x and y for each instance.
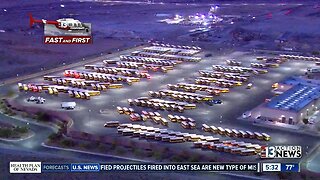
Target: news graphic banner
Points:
(67, 32)
(64, 31)
(42, 167)
(67, 40)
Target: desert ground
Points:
(115, 27)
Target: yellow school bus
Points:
(89, 66)
(87, 95)
(25, 87)
(238, 83)
(176, 139)
(113, 86)
(205, 128)
(224, 90)
(20, 86)
(73, 83)
(94, 93)
(78, 83)
(64, 82)
(258, 135)
(221, 131)
(164, 121)
(98, 87)
(192, 125)
(228, 132)
(70, 94)
(83, 85)
(172, 118)
(55, 91)
(207, 98)
(94, 87)
(50, 91)
(49, 78)
(266, 137)
(248, 152)
(190, 106)
(214, 129)
(129, 82)
(76, 94)
(135, 79)
(112, 124)
(120, 110)
(82, 96)
(103, 87)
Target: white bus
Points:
(221, 131)
(205, 128)
(258, 135)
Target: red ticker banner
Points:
(67, 39)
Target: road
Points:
(32, 149)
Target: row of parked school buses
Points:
(276, 61)
(199, 141)
(236, 77)
(129, 65)
(56, 89)
(297, 57)
(160, 104)
(119, 71)
(258, 65)
(102, 77)
(171, 50)
(166, 56)
(143, 116)
(186, 123)
(188, 87)
(224, 83)
(232, 62)
(239, 69)
(226, 75)
(180, 96)
(235, 133)
(210, 74)
(95, 78)
(230, 146)
(175, 46)
(152, 64)
(145, 60)
(85, 84)
(146, 67)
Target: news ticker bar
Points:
(41, 167)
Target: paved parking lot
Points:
(90, 115)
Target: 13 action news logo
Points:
(283, 152)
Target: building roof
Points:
(296, 98)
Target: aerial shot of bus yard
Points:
(163, 81)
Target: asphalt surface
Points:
(87, 116)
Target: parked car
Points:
(31, 99)
(40, 100)
(212, 102)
